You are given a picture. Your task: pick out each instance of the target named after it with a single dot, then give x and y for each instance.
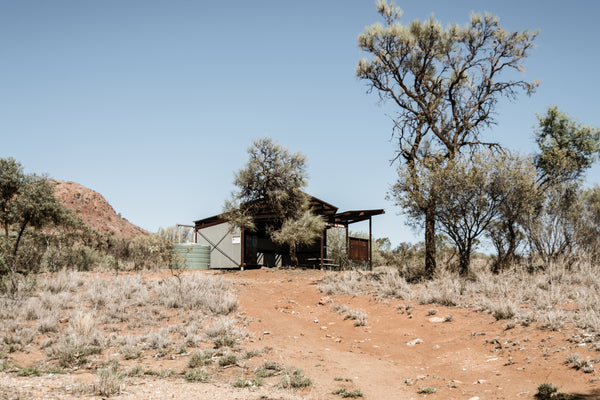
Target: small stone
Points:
(436, 319)
(414, 342)
(316, 321)
(266, 333)
(324, 328)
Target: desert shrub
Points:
(47, 324)
(209, 294)
(225, 333)
(195, 375)
(128, 347)
(32, 309)
(503, 310)
(190, 335)
(201, 358)
(294, 379)
(352, 394)
(149, 252)
(358, 316)
(22, 336)
(426, 390)
(228, 359)
(62, 281)
(136, 370)
(390, 283)
(350, 283)
(242, 383)
(268, 369)
(546, 391)
(110, 380)
(81, 340)
(159, 340)
(575, 361)
(31, 370)
(71, 351)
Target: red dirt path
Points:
(471, 357)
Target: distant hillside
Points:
(94, 209)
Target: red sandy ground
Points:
(472, 356)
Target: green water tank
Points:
(191, 255)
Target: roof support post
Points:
(243, 247)
(323, 246)
(370, 246)
(347, 244)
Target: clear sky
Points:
(154, 103)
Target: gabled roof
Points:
(318, 206)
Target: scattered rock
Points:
(323, 301)
(414, 342)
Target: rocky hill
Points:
(94, 209)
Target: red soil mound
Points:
(94, 209)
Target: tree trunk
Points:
(430, 248)
(293, 257)
(506, 257)
(464, 259)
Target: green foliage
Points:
(195, 375)
(29, 371)
(557, 223)
(547, 391)
(228, 359)
(445, 83)
(242, 383)
(587, 234)
(176, 233)
(269, 196)
(567, 148)
(27, 204)
(426, 390)
(336, 249)
(471, 196)
(271, 182)
(268, 369)
(110, 380)
(294, 379)
(521, 195)
(304, 230)
(200, 359)
(345, 393)
(149, 252)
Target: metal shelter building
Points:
(232, 248)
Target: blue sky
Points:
(154, 103)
